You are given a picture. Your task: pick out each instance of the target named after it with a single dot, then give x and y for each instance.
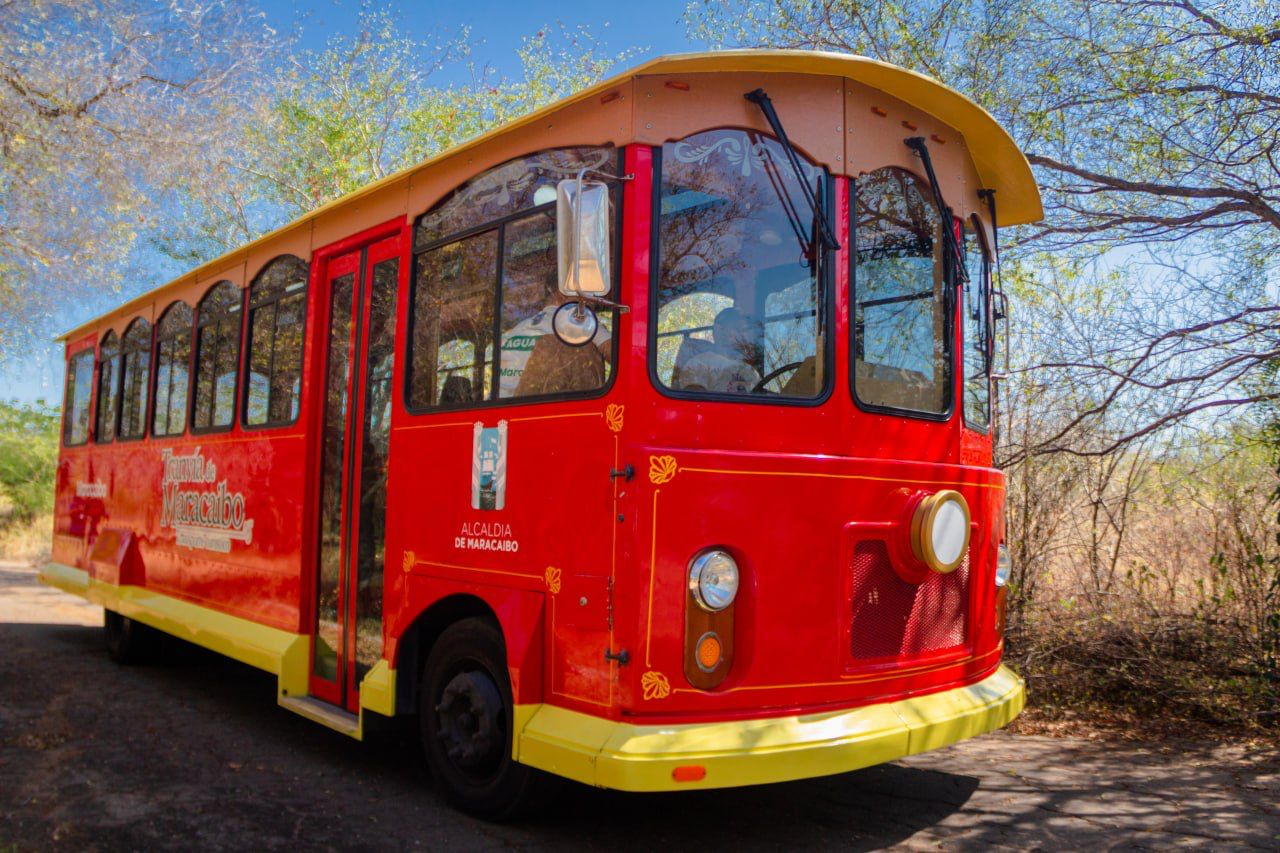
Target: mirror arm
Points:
(601, 301)
(606, 176)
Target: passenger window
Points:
(499, 286)
(78, 396)
(173, 361)
(515, 186)
(108, 388)
(740, 294)
(135, 379)
(453, 323)
(534, 362)
(977, 333)
(217, 357)
(277, 320)
(902, 337)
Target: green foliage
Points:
(102, 106)
(28, 457)
(360, 109)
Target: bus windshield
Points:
(740, 302)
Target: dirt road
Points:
(194, 754)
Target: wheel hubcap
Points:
(469, 714)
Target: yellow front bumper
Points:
(752, 752)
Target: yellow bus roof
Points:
(999, 162)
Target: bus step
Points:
(323, 713)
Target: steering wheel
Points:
(774, 374)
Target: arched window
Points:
(740, 288)
(217, 357)
(486, 285)
(173, 365)
(77, 395)
(901, 325)
(136, 351)
(108, 388)
(277, 317)
(976, 310)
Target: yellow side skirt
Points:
(601, 752)
(752, 752)
(282, 653)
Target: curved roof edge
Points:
(1000, 164)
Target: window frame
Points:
(245, 364)
(157, 340)
(64, 434)
(125, 351)
(826, 279)
(499, 225)
(116, 372)
(984, 288)
(949, 302)
(200, 323)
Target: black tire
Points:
(464, 716)
(127, 641)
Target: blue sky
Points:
(653, 27)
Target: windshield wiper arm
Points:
(916, 144)
(760, 99)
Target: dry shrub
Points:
(25, 541)
(1159, 590)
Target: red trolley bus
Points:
(645, 441)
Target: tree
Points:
(1152, 125)
(363, 108)
(100, 106)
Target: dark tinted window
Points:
(374, 458)
(108, 388)
(533, 361)
(516, 185)
(277, 316)
(453, 306)
(500, 284)
(977, 336)
(78, 396)
(902, 343)
(135, 379)
(217, 357)
(741, 304)
(173, 363)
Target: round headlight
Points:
(1004, 565)
(713, 580)
(940, 530)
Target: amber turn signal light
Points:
(709, 651)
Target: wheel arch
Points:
(518, 616)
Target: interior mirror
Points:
(582, 237)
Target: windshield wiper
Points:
(760, 99)
(916, 144)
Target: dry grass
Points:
(25, 541)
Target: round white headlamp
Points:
(1004, 565)
(713, 580)
(940, 531)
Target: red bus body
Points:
(608, 497)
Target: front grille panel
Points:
(894, 619)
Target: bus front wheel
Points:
(465, 714)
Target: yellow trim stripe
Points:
(819, 475)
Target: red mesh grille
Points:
(893, 618)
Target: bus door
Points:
(356, 425)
